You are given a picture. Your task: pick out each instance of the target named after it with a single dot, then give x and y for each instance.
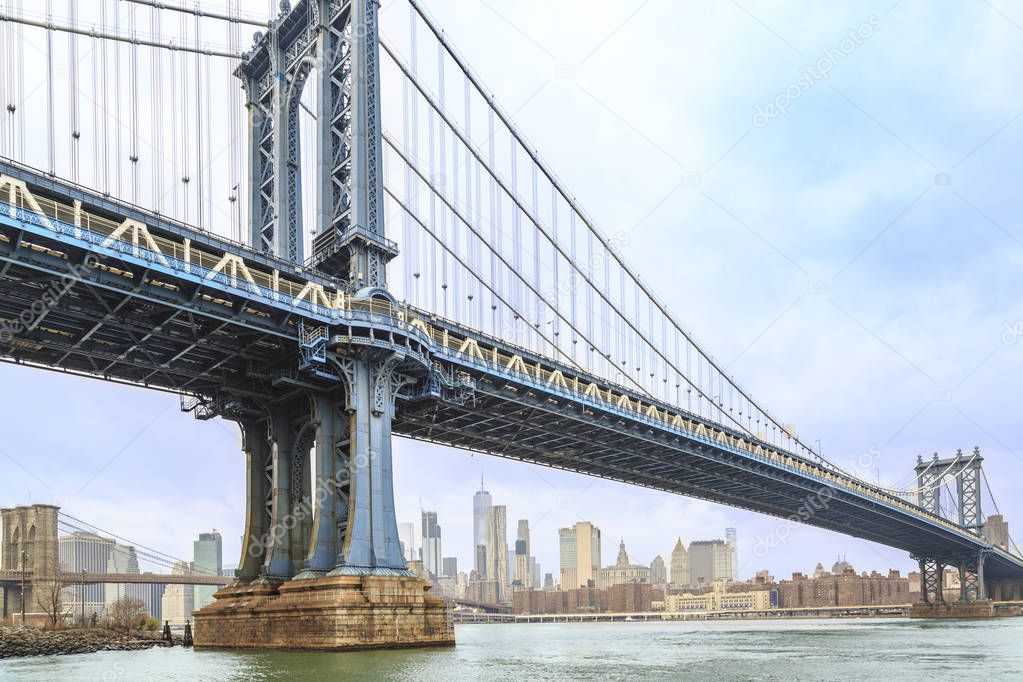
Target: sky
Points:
(825, 193)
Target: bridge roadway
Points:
(13, 578)
(151, 302)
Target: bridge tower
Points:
(30, 547)
(932, 475)
(322, 530)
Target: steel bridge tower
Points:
(931, 476)
(324, 525)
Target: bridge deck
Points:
(181, 310)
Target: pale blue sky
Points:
(854, 262)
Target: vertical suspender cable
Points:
(50, 127)
(539, 317)
(236, 147)
(97, 164)
(104, 72)
(185, 178)
(176, 123)
(20, 100)
(156, 108)
(207, 99)
(133, 65)
(495, 214)
(556, 284)
(118, 137)
(443, 173)
(73, 84)
(200, 162)
(440, 257)
(5, 78)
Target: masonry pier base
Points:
(335, 613)
(976, 609)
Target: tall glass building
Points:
(481, 502)
(207, 558)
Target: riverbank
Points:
(26, 641)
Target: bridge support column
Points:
(257, 497)
(371, 544)
(972, 602)
(354, 590)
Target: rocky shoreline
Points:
(26, 641)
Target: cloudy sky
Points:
(825, 193)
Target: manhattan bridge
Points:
(328, 232)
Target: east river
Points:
(860, 649)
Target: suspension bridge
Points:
(195, 216)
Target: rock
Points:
(25, 641)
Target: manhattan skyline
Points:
(824, 287)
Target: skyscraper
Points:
(709, 560)
(450, 567)
(481, 502)
(523, 574)
(497, 549)
(178, 601)
(733, 547)
(579, 549)
(207, 559)
(658, 573)
(81, 551)
(679, 566)
(407, 538)
(431, 544)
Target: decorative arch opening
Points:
(304, 163)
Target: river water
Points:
(860, 649)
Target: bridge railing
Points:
(135, 238)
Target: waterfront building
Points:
(449, 567)
(431, 544)
(624, 571)
(679, 566)
(178, 601)
(658, 572)
(207, 559)
(709, 560)
(523, 576)
(481, 502)
(81, 551)
(579, 550)
(731, 539)
(996, 530)
(497, 551)
(838, 568)
(407, 538)
(123, 559)
(621, 598)
(481, 562)
(720, 599)
(845, 589)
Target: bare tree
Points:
(50, 598)
(123, 613)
